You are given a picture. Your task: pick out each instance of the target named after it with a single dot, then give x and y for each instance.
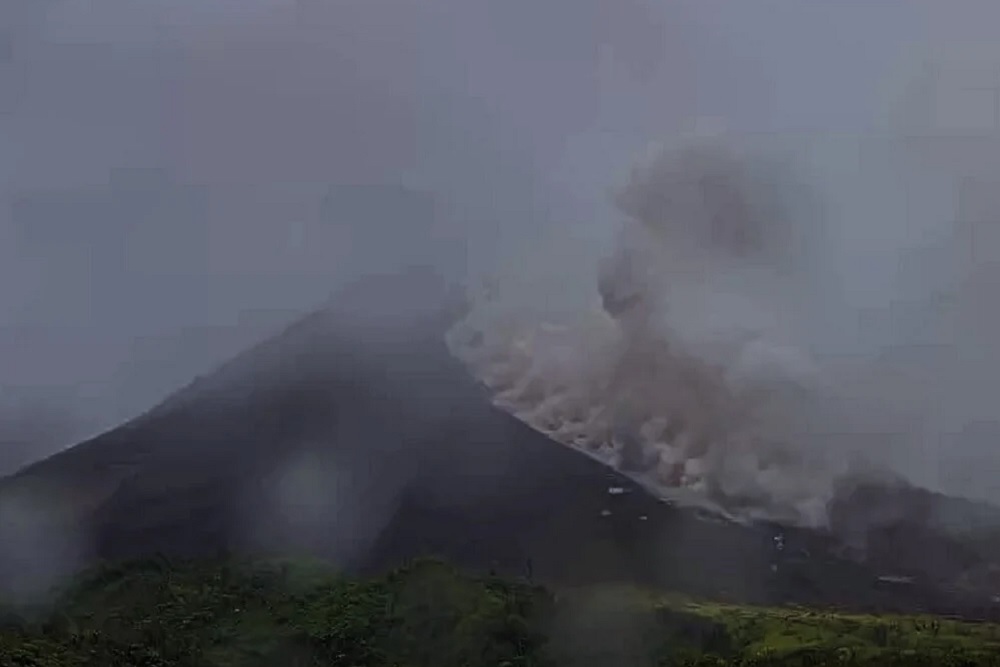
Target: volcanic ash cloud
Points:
(689, 373)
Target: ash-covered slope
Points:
(355, 435)
(746, 343)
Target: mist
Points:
(181, 179)
(184, 179)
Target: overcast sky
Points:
(165, 163)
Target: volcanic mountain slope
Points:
(354, 435)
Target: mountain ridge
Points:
(354, 435)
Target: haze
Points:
(182, 178)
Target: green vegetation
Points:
(155, 613)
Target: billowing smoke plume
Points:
(687, 369)
(727, 357)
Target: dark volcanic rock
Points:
(354, 435)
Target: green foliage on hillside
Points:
(152, 613)
(301, 613)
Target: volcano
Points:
(355, 436)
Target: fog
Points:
(182, 178)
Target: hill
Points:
(355, 436)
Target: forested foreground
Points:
(297, 613)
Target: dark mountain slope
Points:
(354, 435)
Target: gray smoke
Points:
(766, 324)
(688, 369)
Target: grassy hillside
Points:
(289, 613)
